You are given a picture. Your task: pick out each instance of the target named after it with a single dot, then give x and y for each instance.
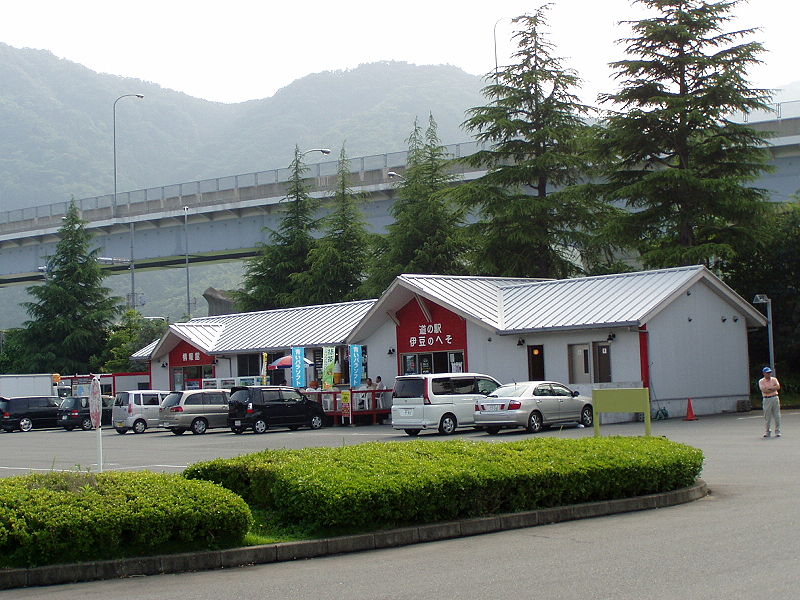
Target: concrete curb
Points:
(237, 557)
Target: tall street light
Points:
(764, 299)
(114, 205)
(186, 253)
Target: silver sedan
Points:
(532, 405)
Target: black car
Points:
(261, 407)
(26, 412)
(74, 412)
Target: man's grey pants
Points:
(772, 412)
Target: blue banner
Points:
(298, 367)
(356, 366)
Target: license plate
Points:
(492, 407)
(64, 417)
(407, 412)
(120, 423)
(237, 423)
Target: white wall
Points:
(704, 358)
(159, 376)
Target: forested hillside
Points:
(56, 124)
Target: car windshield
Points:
(509, 390)
(122, 399)
(3, 405)
(241, 396)
(68, 403)
(172, 399)
(409, 388)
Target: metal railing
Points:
(202, 193)
(175, 196)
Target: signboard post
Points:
(347, 406)
(96, 414)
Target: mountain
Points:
(56, 124)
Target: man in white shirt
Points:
(770, 387)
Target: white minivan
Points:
(136, 410)
(443, 401)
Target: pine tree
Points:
(425, 236)
(534, 134)
(72, 314)
(270, 279)
(675, 158)
(337, 265)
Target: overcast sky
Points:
(237, 50)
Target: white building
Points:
(681, 332)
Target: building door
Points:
(535, 363)
(602, 362)
(578, 357)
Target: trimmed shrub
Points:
(380, 484)
(69, 517)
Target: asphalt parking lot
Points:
(739, 542)
(161, 451)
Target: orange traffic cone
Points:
(689, 411)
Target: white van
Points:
(443, 401)
(136, 410)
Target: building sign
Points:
(442, 332)
(346, 405)
(356, 365)
(298, 367)
(186, 355)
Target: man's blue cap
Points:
(766, 370)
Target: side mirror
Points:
(575, 393)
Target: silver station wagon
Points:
(532, 405)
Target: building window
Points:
(248, 365)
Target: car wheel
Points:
(199, 426)
(139, 426)
(69, 427)
(260, 426)
(534, 422)
(86, 425)
(587, 416)
(411, 432)
(492, 430)
(316, 422)
(237, 430)
(448, 424)
(121, 431)
(25, 424)
(177, 430)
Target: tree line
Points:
(663, 177)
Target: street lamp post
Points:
(186, 252)
(764, 299)
(114, 205)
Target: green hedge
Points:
(70, 517)
(388, 484)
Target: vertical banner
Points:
(264, 359)
(328, 359)
(298, 367)
(356, 366)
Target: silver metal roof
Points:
(320, 325)
(479, 297)
(516, 305)
(586, 302)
